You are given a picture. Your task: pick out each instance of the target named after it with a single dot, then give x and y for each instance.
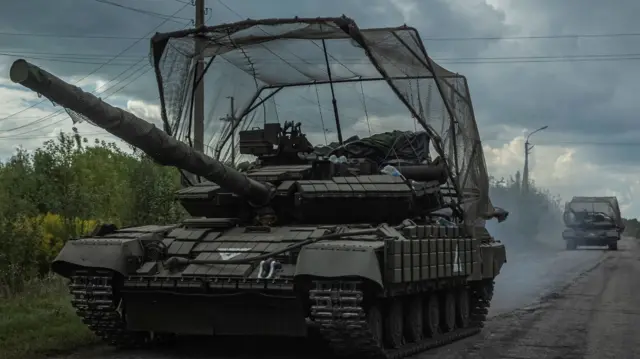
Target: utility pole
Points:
(525, 172)
(231, 119)
(198, 101)
(527, 152)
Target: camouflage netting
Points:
(407, 147)
(280, 69)
(607, 205)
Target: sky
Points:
(570, 65)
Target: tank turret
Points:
(139, 133)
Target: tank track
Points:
(94, 300)
(336, 307)
(481, 294)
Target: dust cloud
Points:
(537, 262)
(534, 223)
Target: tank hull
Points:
(421, 264)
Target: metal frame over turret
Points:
(278, 54)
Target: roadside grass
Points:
(40, 321)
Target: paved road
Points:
(595, 317)
(531, 273)
(548, 303)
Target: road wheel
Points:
(462, 308)
(571, 244)
(613, 246)
(394, 325)
(448, 311)
(413, 328)
(431, 316)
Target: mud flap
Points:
(333, 261)
(493, 256)
(117, 254)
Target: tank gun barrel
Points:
(139, 133)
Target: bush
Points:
(66, 187)
(60, 191)
(51, 231)
(632, 228)
(18, 255)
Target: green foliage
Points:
(39, 321)
(631, 227)
(60, 191)
(66, 186)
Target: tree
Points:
(65, 187)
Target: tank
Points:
(592, 221)
(390, 253)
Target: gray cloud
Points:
(584, 101)
(90, 18)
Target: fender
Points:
(121, 255)
(334, 259)
(499, 257)
(490, 258)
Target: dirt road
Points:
(588, 307)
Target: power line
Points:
(66, 61)
(68, 36)
(442, 61)
(101, 66)
(530, 57)
(577, 143)
(56, 135)
(70, 55)
(230, 9)
(146, 12)
(60, 112)
(587, 143)
(444, 39)
(90, 55)
(532, 37)
(558, 60)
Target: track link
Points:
(481, 294)
(96, 303)
(336, 306)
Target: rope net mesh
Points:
(286, 70)
(607, 205)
